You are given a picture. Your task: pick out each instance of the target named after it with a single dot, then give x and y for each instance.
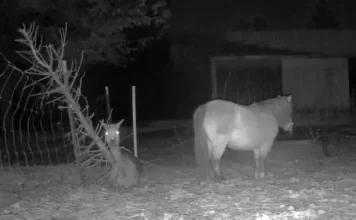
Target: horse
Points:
(218, 124)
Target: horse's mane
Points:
(279, 106)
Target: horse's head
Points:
(112, 133)
(283, 110)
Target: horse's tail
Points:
(324, 147)
(201, 149)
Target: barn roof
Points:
(339, 43)
(215, 46)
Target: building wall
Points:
(318, 83)
(320, 87)
(248, 79)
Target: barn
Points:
(310, 65)
(319, 85)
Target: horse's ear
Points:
(289, 98)
(119, 123)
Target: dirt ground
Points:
(302, 183)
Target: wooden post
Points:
(134, 119)
(214, 92)
(108, 106)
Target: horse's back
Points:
(246, 127)
(224, 117)
(221, 114)
(219, 107)
(228, 112)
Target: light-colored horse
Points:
(219, 124)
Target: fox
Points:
(112, 140)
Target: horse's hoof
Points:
(262, 175)
(259, 175)
(204, 180)
(220, 178)
(270, 175)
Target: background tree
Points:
(323, 17)
(109, 31)
(106, 30)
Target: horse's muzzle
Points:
(289, 128)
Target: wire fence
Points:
(32, 132)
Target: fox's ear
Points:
(103, 124)
(119, 123)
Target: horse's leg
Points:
(263, 153)
(256, 153)
(216, 153)
(260, 159)
(262, 163)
